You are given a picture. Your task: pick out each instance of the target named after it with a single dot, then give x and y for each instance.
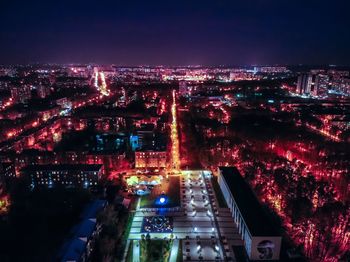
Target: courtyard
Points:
(169, 188)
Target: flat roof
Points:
(253, 214)
(64, 167)
(85, 228)
(92, 209)
(74, 247)
(73, 250)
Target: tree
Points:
(301, 209)
(106, 247)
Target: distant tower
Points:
(306, 84)
(312, 84)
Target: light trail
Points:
(96, 81)
(103, 87)
(175, 155)
(324, 133)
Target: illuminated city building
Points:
(7, 176)
(150, 159)
(313, 84)
(63, 102)
(78, 71)
(238, 75)
(261, 240)
(10, 71)
(134, 142)
(305, 84)
(321, 85)
(149, 146)
(7, 171)
(270, 69)
(67, 175)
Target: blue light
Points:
(162, 200)
(134, 142)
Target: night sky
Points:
(208, 32)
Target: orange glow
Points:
(175, 155)
(324, 132)
(103, 88)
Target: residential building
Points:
(79, 247)
(68, 175)
(150, 159)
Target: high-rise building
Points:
(312, 84)
(261, 239)
(321, 85)
(304, 84)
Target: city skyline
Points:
(180, 159)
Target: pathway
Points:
(136, 251)
(174, 250)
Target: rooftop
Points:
(253, 214)
(85, 228)
(74, 249)
(91, 210)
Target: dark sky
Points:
(209, 32)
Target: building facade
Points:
(67, 175)
(260, 239)
(150, 159)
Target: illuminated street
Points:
(100, 83)
(175, 152)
